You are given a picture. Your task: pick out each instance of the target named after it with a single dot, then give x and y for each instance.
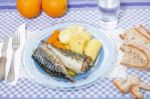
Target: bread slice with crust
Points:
(136, 92)
(119, 84)
(138, 39)
(134, 57)
(133, 37)
(142, 30)
(124, 84)
(132, 84)
(144, 86)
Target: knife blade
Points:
(3, 58)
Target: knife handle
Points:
(2, 67)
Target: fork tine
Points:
(16, 39)
(13, 40)
(19, 38)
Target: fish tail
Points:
(70, 79)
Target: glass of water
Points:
(109, 13)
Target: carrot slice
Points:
(54, 37)
(58, 44)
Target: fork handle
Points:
(11, 74)
(2, 67)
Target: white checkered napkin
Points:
(10, 20)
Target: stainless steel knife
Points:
(3, 58)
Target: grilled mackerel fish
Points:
(74, 61)
(50, 62)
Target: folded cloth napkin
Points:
(18, 55)
(8, 56)
(24, 37)
(2, 71)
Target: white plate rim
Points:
(78, 23)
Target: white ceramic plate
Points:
(102, 65)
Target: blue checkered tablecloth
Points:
(133, 12)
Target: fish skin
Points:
(50, 62)
(74, 61)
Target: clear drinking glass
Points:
(109, 13)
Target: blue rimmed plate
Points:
(102, 65)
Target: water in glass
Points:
(109, 12)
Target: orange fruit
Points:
(29, 8)
(54, 8)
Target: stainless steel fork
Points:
(15, 46)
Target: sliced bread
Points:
(133, 37)
(134, 57)
(137, 51)
(119, 84)
(131, 84)
(142, 30)
(144, 86)
(124, 84)
(136, 92)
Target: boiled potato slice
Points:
(65, 36)
(73, 32)
(92, 48)
(76, 29)
(77, 45)
(84, 35)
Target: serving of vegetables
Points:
(76, 39)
